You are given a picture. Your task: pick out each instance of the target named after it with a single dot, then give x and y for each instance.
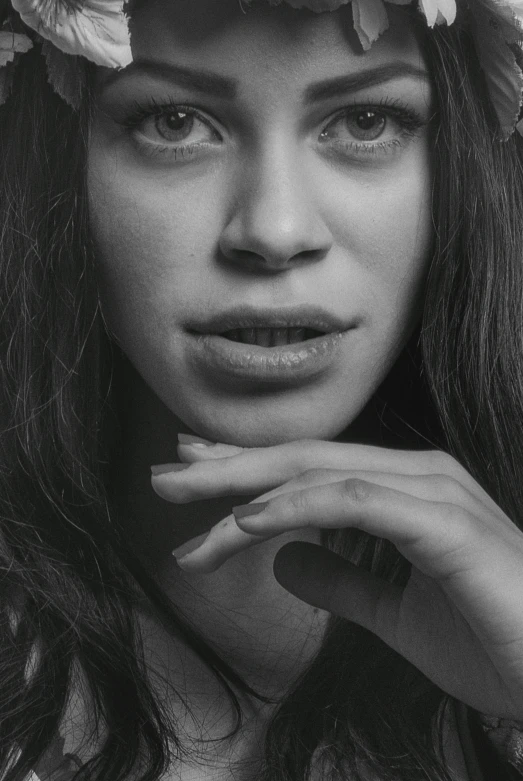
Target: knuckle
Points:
(443, 463)
(311, 477)
(448, 488)
(297, 502)
(457, 517)
(356, 490)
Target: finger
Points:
(256, 470)
(226, 541)
(327, 581)
(427, 533)
(192, 449)
(223, 541)
(430, 488)
(346, 503)
(443, 540)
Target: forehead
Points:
(259, 40)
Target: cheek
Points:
(154, 242)
(384, 224)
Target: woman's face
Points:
(260, 199)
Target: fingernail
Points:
(189, 439)
(243, 510)
(163, 469)
(188, 547)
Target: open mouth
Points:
(271, 337)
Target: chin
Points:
(255, 427)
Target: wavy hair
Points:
(67, 578)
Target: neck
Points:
(264, 632)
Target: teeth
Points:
(270, 337)
(263, 337)
(296, 335)
(248, 335)
(280, 336)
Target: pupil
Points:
(367, 120)
(176, 121)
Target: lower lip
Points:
(288, 363)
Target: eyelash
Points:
(409, 121)
(144, 111)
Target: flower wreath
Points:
(72, 31)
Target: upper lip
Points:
(313, 317)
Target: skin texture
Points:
(267, 217)
(458, 619)
(271, 211)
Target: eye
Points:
(177, 125)
(366, 125)
(361, 124)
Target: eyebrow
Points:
(209, 83)
(199, 80)
(332, 88)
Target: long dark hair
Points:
(68, 580)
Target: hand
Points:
(460, 617)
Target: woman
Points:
(266, 232)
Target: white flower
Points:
(438, 11)
(11, 44)
(95, 29)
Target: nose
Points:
(274, 222)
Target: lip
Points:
(314, 317)
(219, 357)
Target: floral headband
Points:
(72, 31)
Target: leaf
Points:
(495, 31)
(66, 74)
(11, 44)
(370, 20)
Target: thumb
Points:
(326, 580)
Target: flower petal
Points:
(370, 20)
(438, 11)
(446, 11)
(98, 30)
(11, 44)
